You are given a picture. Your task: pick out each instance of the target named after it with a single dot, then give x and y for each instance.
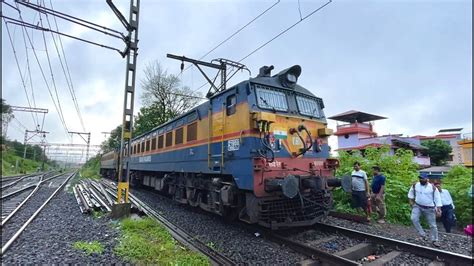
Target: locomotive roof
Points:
(271, 81)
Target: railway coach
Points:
(257, 151)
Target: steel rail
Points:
(448, 257)
(10, 215)
(178, 233)
(18, 233)
(26, 188)
(18, 180)
(313, 253)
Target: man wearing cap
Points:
(425, 200)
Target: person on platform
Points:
(425, 200)
(447, 210)
(360, 190)
(378, 193)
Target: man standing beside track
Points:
(378, 194)
(425, 200)
(360, 190)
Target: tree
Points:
(438, 150)
(113, 142)
(163, 98)
(7, 115)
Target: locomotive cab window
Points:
(271, 99)
(231, 104)
(308, 106)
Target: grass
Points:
(145, 241)
(25, 166)
(91, 168)
(94, 247)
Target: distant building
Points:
(356, 133)
(451, 136)
(466, 146)
(436, 172)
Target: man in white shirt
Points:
(360, 190)
(447, 210)
(425, 200)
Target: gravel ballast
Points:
(233, 240)
(449, 242)
(59, 226)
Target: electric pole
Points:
(88, 140)
(123, 206)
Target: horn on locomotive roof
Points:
(265, 71)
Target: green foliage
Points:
(6, 109)
(94, 247)
(458, 182)
(91, 168)
(438, 150)
(9, 159)
(163, 98)
(400, 172)
(113, 142)
(145, 241)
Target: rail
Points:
(32, 217)
(179, 234)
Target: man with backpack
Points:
(425, 200)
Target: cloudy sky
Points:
(410, 61)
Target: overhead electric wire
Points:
(284, 31)
(36, 27)
(76, 20)
(52, 76)
(19, 69)
(28, 69)
(235, 33)
(66, 75)
(41, 70)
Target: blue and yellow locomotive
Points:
(257, 151)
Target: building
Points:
(451, 136)
(466, 147)
(356, 133)
(436, 172)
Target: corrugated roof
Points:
(354, 116)
(450, 130)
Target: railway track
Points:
(365, 245)
(177, 232)
(29, 206)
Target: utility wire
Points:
(28, 70)
(235, 33)
(284, 31)
(42, 72)
(36, 27)
(19, 70)
(66, 75)
(52, 75)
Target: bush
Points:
(458, 181)
(400, 172)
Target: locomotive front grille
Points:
(301, 210)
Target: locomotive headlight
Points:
(291, 78)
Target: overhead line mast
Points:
(123, 206)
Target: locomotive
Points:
(257, 151)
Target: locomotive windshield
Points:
(271, 99)
(308, 106)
